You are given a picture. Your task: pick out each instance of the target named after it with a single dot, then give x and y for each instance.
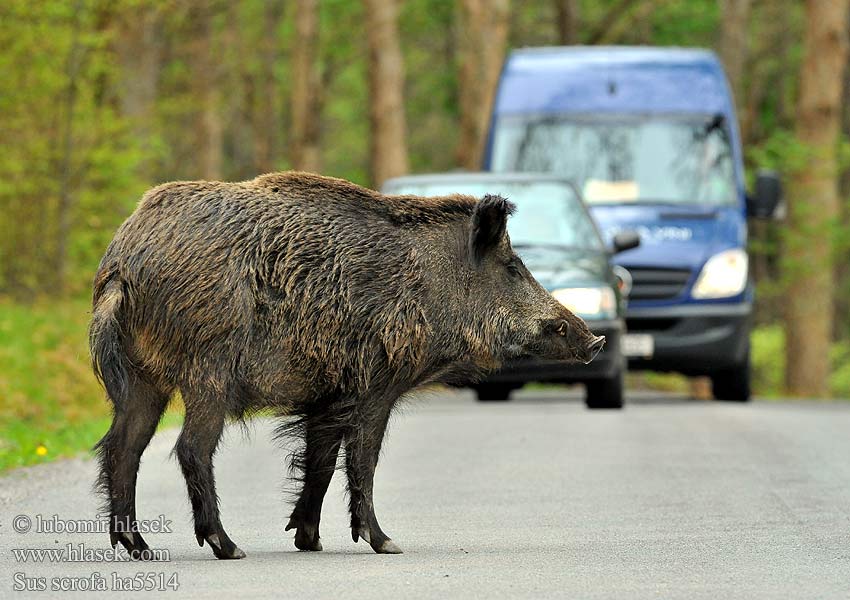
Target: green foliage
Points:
(768, 360)
(49, 396)
(768, 363)
(66, 141)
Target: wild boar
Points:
(315, 297)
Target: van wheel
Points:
(732, 385)
(605, 393)
(493, 392)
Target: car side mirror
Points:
(625, 240)
(767, 197)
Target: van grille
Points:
(657, 284)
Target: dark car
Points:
(558, 241)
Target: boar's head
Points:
(526, 319)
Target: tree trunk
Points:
(483, 35)
(305, 150)
(388, 144)
(813, 200)
(735, 17)
(64, 206)
(567, 16)
(207, 67)
(264, 110)
(139, 49)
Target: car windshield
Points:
(548, 213)
(624, 159)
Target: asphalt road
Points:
(669, 498)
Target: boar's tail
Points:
(106, 339)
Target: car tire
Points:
(732, 385)
(605, 393)
(493, 392)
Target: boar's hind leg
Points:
(362, 447)
(195, 449)
(322, 438)
(133, 425)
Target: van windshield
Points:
(617, 160)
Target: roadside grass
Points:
(51, 405)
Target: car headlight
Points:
(592, 302)
(724, 275)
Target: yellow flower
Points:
(41, 450)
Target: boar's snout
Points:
(594, 348)
(575, 339)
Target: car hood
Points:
(672, 236)
(556, 267)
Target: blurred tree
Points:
(69, 157)
(138, 44)
(304, 148)
(814, 202)
(207, 78)
(265, 112)
(483, 33)
(388, 143)
(735, 16)
(567, 13)
(73, 72)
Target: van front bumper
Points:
(693, 339)
(605, 365)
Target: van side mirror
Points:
(767, 197)
(625, 240)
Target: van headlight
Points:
(592, 302)
(724, 275)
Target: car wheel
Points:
(732, 385)
(493, 392)
(605, 393)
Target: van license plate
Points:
(640, 345)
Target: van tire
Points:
(732, 385)
(605, 393)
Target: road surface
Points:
(670, 498)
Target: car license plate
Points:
(640, 345)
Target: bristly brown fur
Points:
(312, 295)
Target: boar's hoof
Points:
(133, 543)
(384, 546)
(306, 542)
(388, 547)
(222, 546)
(306, 537)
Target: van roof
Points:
(600, 79)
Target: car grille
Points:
(657, 284)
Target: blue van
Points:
(650, 138)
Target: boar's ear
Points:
(489, 221)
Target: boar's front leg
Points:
(322, 438)
(362, 448)
(195, 449)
